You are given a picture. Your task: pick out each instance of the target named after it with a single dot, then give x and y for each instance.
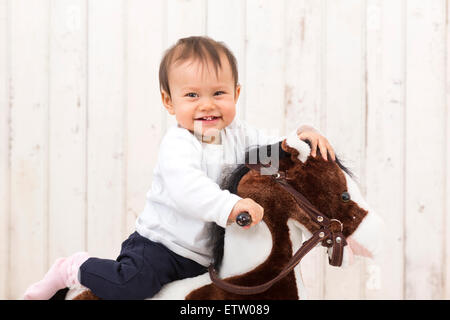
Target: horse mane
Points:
(231, 182)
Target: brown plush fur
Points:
(322, 183)
(86, 295)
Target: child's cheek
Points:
(230, 116)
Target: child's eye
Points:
(219, 93)
(191, 95)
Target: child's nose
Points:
(207, 104)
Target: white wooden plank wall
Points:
(81, 121)
(385, 25)
(425, 134)
(303, 98)
(28, 48)
(67, 128)
(4, 151)
(447, 167)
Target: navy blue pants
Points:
(139, 272)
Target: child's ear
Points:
(167, 101)
(237, 92)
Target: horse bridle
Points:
(329, 233)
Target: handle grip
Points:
(244, 219)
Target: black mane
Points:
(231, 183)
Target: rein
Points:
(329, 234)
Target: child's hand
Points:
(247, 204)
(316, 139)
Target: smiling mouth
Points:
(208, 118)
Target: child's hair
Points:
(200, 47)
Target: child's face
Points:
(197, 94)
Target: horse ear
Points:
(298, 148)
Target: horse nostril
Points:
(345, 196)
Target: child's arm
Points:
(192, 192)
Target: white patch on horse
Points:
(75, 291)
(178, 290)
(368, 233)
(301, 146)
(298, 234)
(245, 249)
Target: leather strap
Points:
(325, 234)
(337, 255)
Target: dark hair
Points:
(199, 47)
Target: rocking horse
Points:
(307, 198)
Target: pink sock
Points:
(63, 273)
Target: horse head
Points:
(251, 257)
(329, 186)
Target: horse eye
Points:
(345, 196)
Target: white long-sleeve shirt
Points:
(185, 195)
